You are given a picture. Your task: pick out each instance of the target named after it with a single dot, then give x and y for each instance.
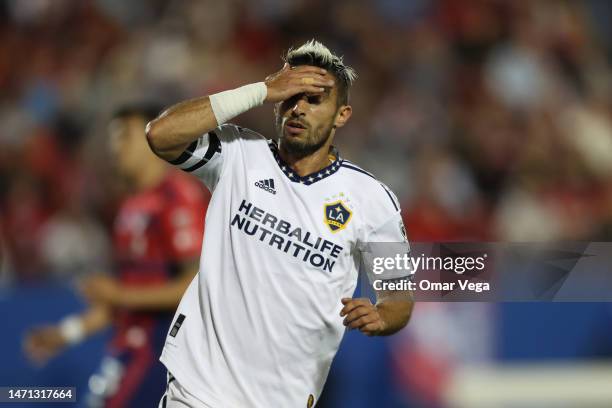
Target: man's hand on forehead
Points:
(290, 81)
(319, 71)
(326, 91)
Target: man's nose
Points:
(298, 107)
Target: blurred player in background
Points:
(286, 229)
(157, 240)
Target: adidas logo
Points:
(267, 184)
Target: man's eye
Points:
(314, 99)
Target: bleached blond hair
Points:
(315, 53)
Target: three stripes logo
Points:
(267, 184)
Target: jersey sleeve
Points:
(204, 157)
(385, 238)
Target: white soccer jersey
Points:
(260, 324)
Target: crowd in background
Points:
(490, 119)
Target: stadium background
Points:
(490, 119)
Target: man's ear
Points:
(343, 115)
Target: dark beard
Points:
(299, 149)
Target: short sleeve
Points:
(391, 230)
(204, 157)
(386, 239)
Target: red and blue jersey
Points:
(155, 231)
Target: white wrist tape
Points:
(71, 329)
(229, 104)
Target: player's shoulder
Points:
(373, 191)
(229, 132)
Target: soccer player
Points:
(286, 228)
(157, 240)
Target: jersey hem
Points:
(182, 377)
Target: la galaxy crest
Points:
(337, 214)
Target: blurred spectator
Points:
(73, 244)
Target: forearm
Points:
(166, 297)
(44, 342)
(96, 318)
(177, 127)
(181, 124)
(395, 315)
(74, 328)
